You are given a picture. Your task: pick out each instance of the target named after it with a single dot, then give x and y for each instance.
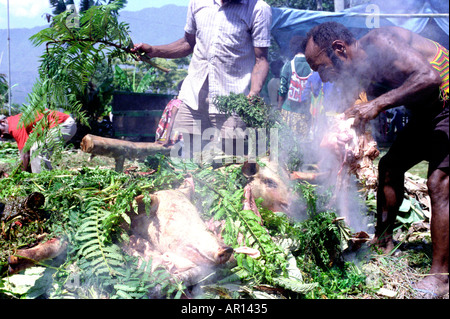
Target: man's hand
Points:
(362, 113)
(142, 48)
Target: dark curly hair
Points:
(326, 33)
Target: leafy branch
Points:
(253, 111)
(73, 54)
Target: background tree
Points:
(167, 82)
(320, 5)
(3, 91)
(73, 74)
(59, 6)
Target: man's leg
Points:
(190, 123)
(402, 155)
(438, 188)
(389, 198)
(232, 133)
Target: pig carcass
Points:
(19, 211)
(173, 235)
(355, 149)
(271, 182)
(25, 258)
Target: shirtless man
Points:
(397, 67)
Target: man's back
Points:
(402, 38)
(396, 56)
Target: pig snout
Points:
(223, 254)
(271, 183)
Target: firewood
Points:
(120, 149)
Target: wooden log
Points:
(120, 149)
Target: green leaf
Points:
(294, 285)
(405, 206)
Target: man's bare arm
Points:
(260, 71)
(178, 49)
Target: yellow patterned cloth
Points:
(440, 63)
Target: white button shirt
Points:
(226, 36)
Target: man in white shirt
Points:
(229, 41)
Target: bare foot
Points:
(431, 287)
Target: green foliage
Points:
(315, 242)
(167, 82)
(8, 152)
(320, 239)
(74, 52)
(253, 110)
(88, 208)
(221, 194)
(313, 199)
(257, 114)
(325, 5)
(337, 282)
(3, 90)
(59, 6)
(124, 83)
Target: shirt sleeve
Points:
(262, 23)
(190, 26)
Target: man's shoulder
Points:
(260, 4)
(390, 34)
(260, 9)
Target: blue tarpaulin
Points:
(427, 17)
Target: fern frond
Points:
(91, 239)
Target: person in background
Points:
(274, 82)
(9, 126)
(293, 103)
(321, 94)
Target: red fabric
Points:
(163, 125)
(20, 134)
